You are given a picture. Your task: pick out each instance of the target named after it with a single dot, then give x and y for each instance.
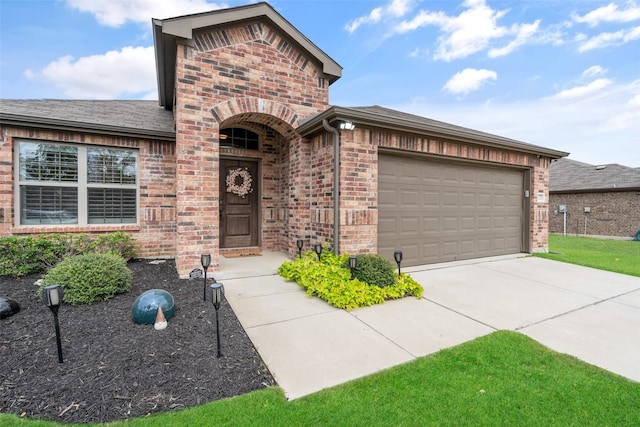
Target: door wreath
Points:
(244, 187)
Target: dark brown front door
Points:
(239, 183)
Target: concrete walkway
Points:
(308, 345)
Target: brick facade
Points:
(359, 182)
(238, 76)
(156, 228)
(615, 214)
(251, 75)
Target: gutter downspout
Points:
(336, 184)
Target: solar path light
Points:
(353, 263)
(205, 260)
(52, 296)
(397, 255)
(217, 294)
(299, 244)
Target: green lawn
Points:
(621, 256)
(504, 378)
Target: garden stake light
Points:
(205, 260)
(397, 255)
(318, 249)
(353, 263)
(299, 244)
(52, 296)
(217, 293)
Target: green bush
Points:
(90, 277)
(118, 243)
(63, 246)
(20, 256)
(331, 281)
(374, 270)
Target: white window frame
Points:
(82, 184)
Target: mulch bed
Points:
(114, 368)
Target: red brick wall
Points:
(233, 77)
(359, 183)
(321, 190)
(155, 231)
(615, 214)
(6, 184)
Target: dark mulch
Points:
(114, 368)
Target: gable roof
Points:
(570, 176)
(385, 118)
(167, 33)
(141, 119)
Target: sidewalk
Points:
(309, 345)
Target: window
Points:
(68, 184)
(239, 138)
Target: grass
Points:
(504, 378)
(620, 256)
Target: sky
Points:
(562, 74)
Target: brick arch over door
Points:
(276, 115)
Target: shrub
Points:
(331, 281)
(118, 243)
(374, 270)
(63, 246)
(90, 277)
(20, 256)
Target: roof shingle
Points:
(569, 175)
(137, 117)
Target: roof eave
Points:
(169, 32)
(313, 126)
(93, 128)
(595, 190)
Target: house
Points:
(590, 200)
(244, 151)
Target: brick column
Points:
(358, 193)
(197, 175)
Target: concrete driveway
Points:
(309, 345)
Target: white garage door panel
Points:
(436, 211)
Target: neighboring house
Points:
(602, 200)
(244, 150)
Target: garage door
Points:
(438, 211)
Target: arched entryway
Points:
(262, 181)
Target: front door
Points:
(239, 219)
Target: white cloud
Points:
(473, 30)
(114, 13)
(422, 19)
(609, 13)
(399, 8)
(594, 70)
(418, 52)
(469, 80)
(603, 127)
(395, 9)
(374, 16)
(524, 33)
(581, 91)
(610, 39)
(130, 71)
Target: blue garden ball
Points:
(145, 307)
